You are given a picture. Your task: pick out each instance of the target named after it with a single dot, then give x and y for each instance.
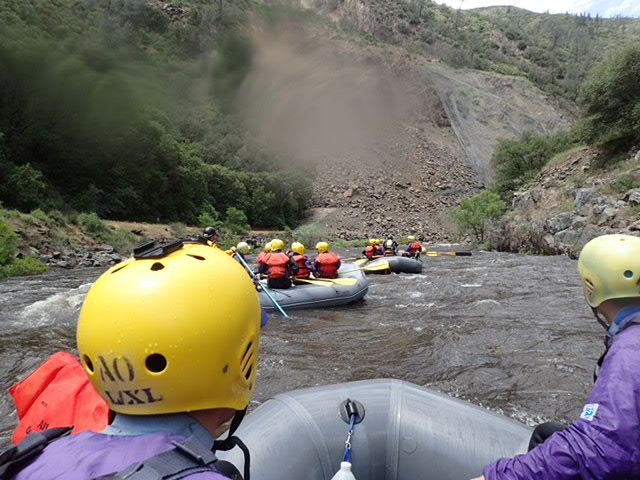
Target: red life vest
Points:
(304, 271)
(277, 262)
(415, 246)
(329, 263)
(58, 393)
(261, 256)
(388, 252)
(370, 251)
(378, 249)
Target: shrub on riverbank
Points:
(474, 213)
(10, 265)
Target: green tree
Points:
(611, 97)
(236, 220)
(475, 212)
(518, 161)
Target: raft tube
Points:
(398, 264)
(405, 432)
(319, 296)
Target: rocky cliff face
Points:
(407, 178)
(571, 202)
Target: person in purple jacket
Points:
(604, 442)
(169, 339)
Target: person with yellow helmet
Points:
(604, 442)
(278, 266)
(413, 248)
(169, 339)
(371, 250)
(262, 254)
(378, 248)
(305, 267)
(326, 263)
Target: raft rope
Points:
(352, 411)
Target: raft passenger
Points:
(370, 250)
(390, 247)
(279, 267)
(262, 254)
(159, 338)
(326, 263)
(414, 248)
(604, 442)
(305, 267)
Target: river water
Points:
(508, 332)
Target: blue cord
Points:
(347, 449)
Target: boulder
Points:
(560, 222)
(584, 199)
(633, 196)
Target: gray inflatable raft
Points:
(407, 432)
(319, 296)
(398, 264)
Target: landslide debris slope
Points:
(397, 138)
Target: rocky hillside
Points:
(572, 201)
(432, 150)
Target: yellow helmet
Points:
(243, 248)
(276, 244)
(610, 268)
(172, 333)
(378, 241)
(267, 247)
(298, 248)
(322, 247)
(372, 241)
(411, 238)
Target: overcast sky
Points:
(605, 8)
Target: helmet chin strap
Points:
(233, 441)
(600, 320)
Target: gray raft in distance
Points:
(319, 296)
(398, 264)
(407, 433)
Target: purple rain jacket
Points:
(604, 443)
(89, 454)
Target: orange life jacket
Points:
(278, 264)
(329, 263)
(303, 271)
(58, 393)
(261, 256)
(415, 246)
(370, 251)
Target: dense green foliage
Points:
(611, 97)
(121, 107)
(518, 161)
(474, 213)
(554, 51)
(10, 265)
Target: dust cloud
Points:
(308, 98)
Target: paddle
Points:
(453, 254)
(264, 287)
(339, 281)
(313, 282)
(383, 265)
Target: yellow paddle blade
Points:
(371, 268)
(339, 281)
(361, 261)
(314, 282)
(453, 254)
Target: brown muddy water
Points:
(508, 332)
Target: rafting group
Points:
(168, 345)
(278, 269)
